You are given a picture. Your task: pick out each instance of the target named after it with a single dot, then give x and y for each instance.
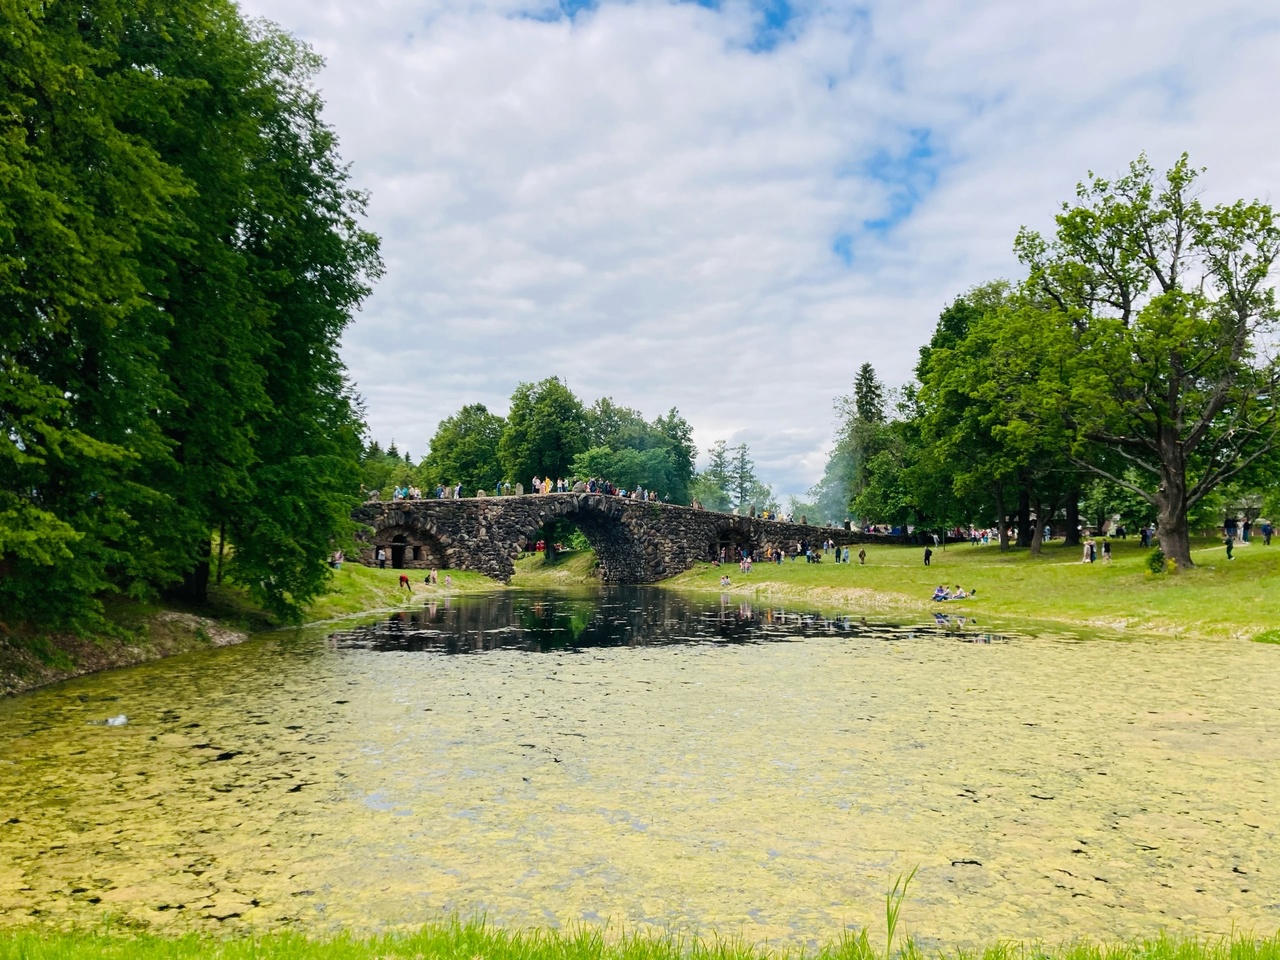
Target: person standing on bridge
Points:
(382, 559)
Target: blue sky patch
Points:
(560, 10)
(907, 175)
(773, 20)
(842, 247)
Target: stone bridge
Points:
(634, 541)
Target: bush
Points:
(1156, 562)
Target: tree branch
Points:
(1091, 468)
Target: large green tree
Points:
(80, 334)
(465, 450)
(629, 451)
(546, 428)
(985, 389)
(179, 253)
(1158, 312)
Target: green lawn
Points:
(480, 942)
(1216, 598)
(571, 568)
(357, 589)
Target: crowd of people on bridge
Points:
(538, 485)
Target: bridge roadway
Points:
(634, 541)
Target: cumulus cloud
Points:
(728, 208)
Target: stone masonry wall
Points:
(634, 541)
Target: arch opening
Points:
(409, 548)
(730, 544)
(619, 553)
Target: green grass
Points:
(571, 568)
(1215, 599)
(357, 589)
(476, 941)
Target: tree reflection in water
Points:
(622, 616)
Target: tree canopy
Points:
(1134, 360)
(465, 450)
(179, 253)
(546, 428)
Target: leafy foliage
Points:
(546, 428)
(179, 253)
(465, 450)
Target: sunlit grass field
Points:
(1216, 598)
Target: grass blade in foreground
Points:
(469, 941)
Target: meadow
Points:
(1215, 599)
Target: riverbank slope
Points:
(140, 632)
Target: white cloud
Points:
(635, 200)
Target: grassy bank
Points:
(140, 632)
(571, 568)
(357, 589)
(1217, 598)
(475, 941)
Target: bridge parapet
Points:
(635, 541)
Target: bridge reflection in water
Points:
(620, 616)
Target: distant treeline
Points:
(1131, 372)
(549, 432)
(180, 251)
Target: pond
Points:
(657, 761)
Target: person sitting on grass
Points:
(941, 594)
(959, 594)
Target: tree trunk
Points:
(1002, 521)
(194, 587)
(1073, 517)
(1024, 516)
(1171, 507)
(1037, 530)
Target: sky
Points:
(727, 207)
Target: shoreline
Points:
(1120, 599)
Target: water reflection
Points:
(621, 616)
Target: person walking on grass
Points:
(928, 555)
(862, 557)
(404, 582)
(1106, 551)
(1231, 543)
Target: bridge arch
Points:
(733, 535)
(409, 542)
(615, 536)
